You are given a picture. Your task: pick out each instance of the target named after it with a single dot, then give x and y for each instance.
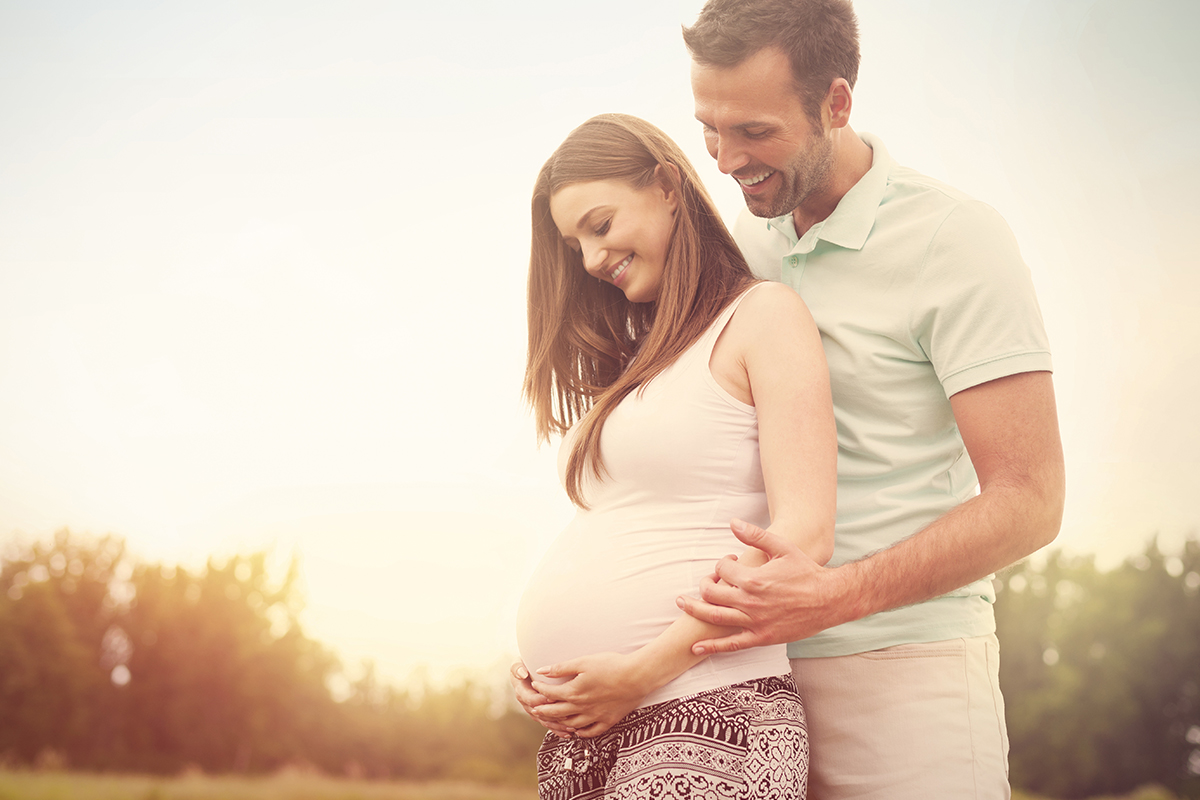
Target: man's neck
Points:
(851, 160)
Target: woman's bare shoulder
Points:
(770, 306)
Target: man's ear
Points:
(670, 194)
(838, 102)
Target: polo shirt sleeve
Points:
(975, 313)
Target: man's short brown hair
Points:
(820, 38)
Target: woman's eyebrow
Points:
(587, 215)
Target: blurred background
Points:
(262, 271)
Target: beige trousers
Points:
(919, 721)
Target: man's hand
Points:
(790, 597)
(602, 688)
(530, 699)
(1010, 429)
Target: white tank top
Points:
(682, 460)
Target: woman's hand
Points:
(530, 700)
(600, 689)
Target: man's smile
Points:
(754, 179)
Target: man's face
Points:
(756, 128)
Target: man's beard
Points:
(805, 175)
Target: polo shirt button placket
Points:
(793, 268)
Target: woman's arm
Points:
(769, 356)
(789, 384)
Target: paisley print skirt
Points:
(743, 742)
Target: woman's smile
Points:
(601, 220)
(616, 272)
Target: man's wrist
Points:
(850, 600)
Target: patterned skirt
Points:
(745, 742)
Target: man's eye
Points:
(754, 134)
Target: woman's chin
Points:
(636, 295)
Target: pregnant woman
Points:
(688, 395)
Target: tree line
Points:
(111, 663)
(1101, 673)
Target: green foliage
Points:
(111, 664)
(219, 657)
(55, 609)
(1101, 674)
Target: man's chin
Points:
(762, 207)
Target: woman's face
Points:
(622, 232)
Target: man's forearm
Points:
(987, 533)
(1009, 428)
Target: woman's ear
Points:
(665, 182)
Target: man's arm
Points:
(1010, 429)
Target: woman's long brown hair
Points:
(584, 333)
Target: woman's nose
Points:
(593, 258)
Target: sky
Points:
(262, 270)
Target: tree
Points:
(55, 610)
(1101, 673)
(117, 664)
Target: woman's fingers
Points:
(591, 732)
(565, 669)
(558, 712)
(554, 692)
(526, 695)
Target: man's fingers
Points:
(729, 576)
(724, 588)
(755, 536)
(728, 644)
(707, 612)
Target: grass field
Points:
(75, 786)
(23, 785)
(1144, 793)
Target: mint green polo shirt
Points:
(919, 292)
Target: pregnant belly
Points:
(590, 596)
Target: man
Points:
(940, 375)
(949, 459)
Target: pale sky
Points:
(262, 269)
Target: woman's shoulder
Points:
(769, 305)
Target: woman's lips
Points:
(618, 272)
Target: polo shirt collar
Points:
(854, 216)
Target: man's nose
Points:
(729, 155)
